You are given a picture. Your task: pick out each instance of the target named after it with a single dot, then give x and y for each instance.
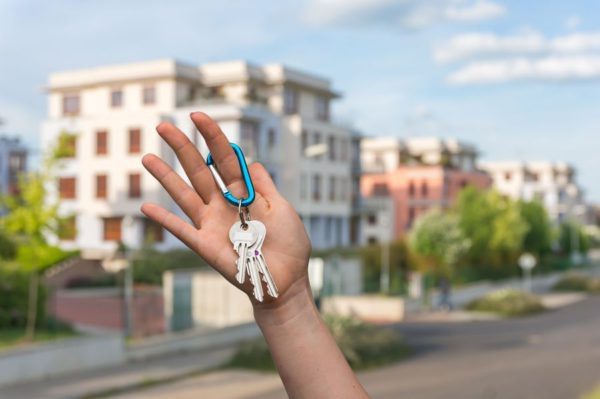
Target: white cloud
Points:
(552, 68)
(527, 43)
(478, 11)
(407, 14)
(572, 22)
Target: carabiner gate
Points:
(245, 176)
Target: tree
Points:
(573, 238)
(494, 226)
(31, 218)
(438, 238)
(538, 239)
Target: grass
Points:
(595, 394)
(364, 345)
(13, 337)
(578, 282)
(507, 303)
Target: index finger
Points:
(222, 153)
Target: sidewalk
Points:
(83, 385)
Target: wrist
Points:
(296, 302)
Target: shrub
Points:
(578, 282)
(507, 303)
(364, 346)
(14, 291)
(150, 264)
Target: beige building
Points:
(551, 183)
(108, 116)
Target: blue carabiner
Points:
(245, 175)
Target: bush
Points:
(595, 394)
(150, 264)
(364, 346)
(578, 282)
(507, 303)
(14, 293)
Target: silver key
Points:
(258, 260)
(242, 240)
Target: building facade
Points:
(403, 179)
(13, 161)
(551, 183)
(108, 116)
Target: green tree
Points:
(31, 217)
(573, 237)
(439, 240)
(538, 239)
(494, 226)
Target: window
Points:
(372, 219)
(116, 98)
(411, 216)
(411, 189)
(153, 232)
(303, 142)
(380, 190)
(71, 104)
(372, 240)
(317, 138)
(112, 229)
(102, 142)
(135, 137)
(507, 176)
(331, 148)
(67, 228)
(250, 139)
(101, 186)
(322, 105)
(424, 189)
(271, 137)
(135, 189)
(332, 184)
(148, 95)
(344, 150)
(67, 187)
(303, 186)
(290, 101)
(316, 188)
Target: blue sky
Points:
(521, 79)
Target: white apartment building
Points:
(551, 183)
(109, 114)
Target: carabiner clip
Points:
(245, 175)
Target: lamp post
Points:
(384, 277)
(119, 260)
(527, 262)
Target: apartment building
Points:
(404, 178)
(108, 116)
(13, 161)
(551, 183)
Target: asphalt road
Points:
(555, 355)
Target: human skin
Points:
(307, 358)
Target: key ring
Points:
(244, 215)
(232, 199)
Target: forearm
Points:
(308, 360)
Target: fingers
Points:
(191, 160)
(263, 183)
(225, 158)
(187, 199)
(175, 225)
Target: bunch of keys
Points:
(247, 236)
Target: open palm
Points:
(286, 247)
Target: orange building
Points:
(415, 175)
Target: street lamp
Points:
(384, 277)
(119, 260)
(527, 262)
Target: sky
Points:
(520, 79)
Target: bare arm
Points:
(308, 360)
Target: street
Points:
(555, 355)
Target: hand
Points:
(286, 247)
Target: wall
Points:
(71, 355)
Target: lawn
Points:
(14, 337)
